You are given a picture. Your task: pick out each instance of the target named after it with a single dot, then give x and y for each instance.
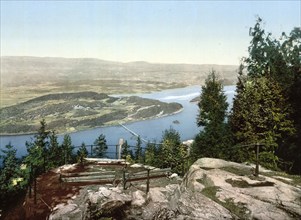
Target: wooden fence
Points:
(123, 176)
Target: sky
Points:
(194, 32)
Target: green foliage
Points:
(82, 153)
(37, 150)
(55, 151)
(171, 152)
(151, 154)
(13, 177)
(265, 108)
(101, 146)
(67, 149)
(138, 151)
(213, 103)
(214, 139)
(259, 114)
(126, 153)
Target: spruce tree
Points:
(138, 151)
(151, 154)
(101, 146)
(263, 110)
(67, 149)
(55, 151)
(171, 151)
(38, 149)
(126, 153)
(213, 139)
(82, 153)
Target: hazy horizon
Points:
(168, 32)
(123, 62)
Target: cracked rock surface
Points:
(211, 189)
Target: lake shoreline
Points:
(91, 128)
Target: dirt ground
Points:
(51, 191)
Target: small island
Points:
(69, 112)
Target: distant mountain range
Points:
(25, 78)
(16, 71)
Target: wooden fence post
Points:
(35, 187)
(123, 177)
(257, 160)
(30, 180)
(121, 142)
(147, 181)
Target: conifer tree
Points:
(213, 139)
(151, 154)
(82, 153)
(138, 151)
(126, 153)
(12, 181)
(55, 151)
(38, 149)
(101, 146)
(67, 149)
(262, 108)
(171, 151)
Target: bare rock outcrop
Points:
(211, 189)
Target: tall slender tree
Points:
(171, 152)
(67, 149)
(126, 153)
(82, 152)
(262, 110)
(11, 179)
(55, 151)
(101, 146)
(38, 149)
(213, 139)
(151, 154)
(138, 151)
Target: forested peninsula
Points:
(69, 112)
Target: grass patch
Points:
(296, 180)
(237, 209)
(238, 171)
(238, 183)
(244, 184)
(210, 192)
(207, 182)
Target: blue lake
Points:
(149, 129)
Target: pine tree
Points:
(55, 151)
(151, 154)
(13, 180)
(138, 151)
(171, 151)
(67, 149)
(101, 146)
(82, 153)
(38, 149)
(260, 115)
(262, 108)
(213, 140)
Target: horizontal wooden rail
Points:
(98, 173)
(89, 178)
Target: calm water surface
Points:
(149, 129)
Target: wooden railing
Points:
(115, 177)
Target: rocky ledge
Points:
(211, 189)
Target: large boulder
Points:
(216, 189)
(211, 189)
